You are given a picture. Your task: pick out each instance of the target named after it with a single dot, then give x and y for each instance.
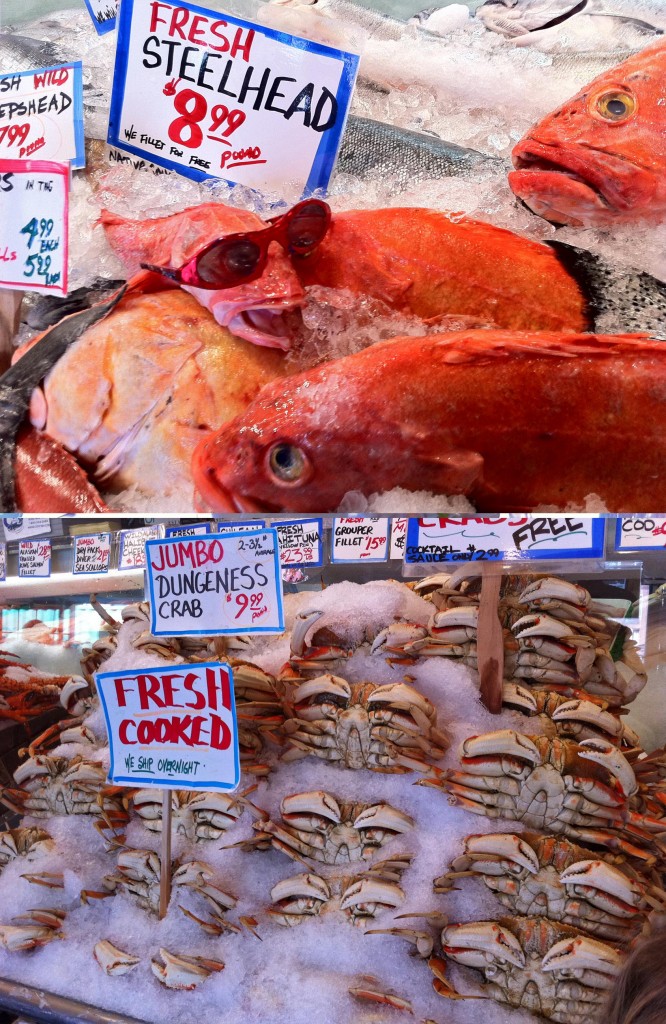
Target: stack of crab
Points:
(326, 740)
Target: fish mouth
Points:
(558, 186)
(262, 325)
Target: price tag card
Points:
(3, 561)
(246, 527)
(300, 542)
(41, 112)
(132, 553)
(34, 558)
(189, 531)
(217, 584)
(33, 225)
(92, 554)
(214, 96)
(496, 538)
(103, 14)
(360, 539)
(398, 537)
(640, 533)
(172, 726)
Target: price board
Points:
(360, 539)
(300, 542)
(33, 225)
(496, 538)
(92, 554)
(245, 527)
(210, 95)
(132, 551)
(172, 726)
(216, 584)
(34, 558)
(640, 533)
(194, 530)
(41, 115)
(398, 537)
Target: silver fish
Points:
(409, 157)
(22, 53)
(576, 24)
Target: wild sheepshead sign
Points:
(213, 96)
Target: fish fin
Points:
(48, 310)
(454, 471)
(619, 300)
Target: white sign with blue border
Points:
(360, 539)
(34, 558)
(244, 527)
(173, 726)
(215, 584)
(41, 115)
(194, 530)
(640, 533)
(301, 542)
(499, 538)
(214, 96)
(104, 14)
(92, 554)
(132, 550)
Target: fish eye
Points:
(287, 462)
(615, 105)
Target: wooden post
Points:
(490, 642)
(165, 854)
(10, 305)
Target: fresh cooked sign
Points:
(640, 533)
(360, 539)
(34, 558)
(219, 583)
(300, 542)
(41, 115)
(212, 96)
(33, 225)
(494, 538)
(92, 554)
(172, 726)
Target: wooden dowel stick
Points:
(165, 855)
(490, 643)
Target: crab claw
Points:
(183, 972)
(112, 960)
(552, 588)
(395, 636)
(304, 884)
(72, 693)
(422, 940)
(501, 848)
(383, 817)
(502, 741)
(372, 995)
(536, 624)
(455, 624)
(600, 962)
(608, 755)
(300, 808)
(586, 711)
(302, 624)
(371, 891)
(318, 686)
(479, 942)
(605, 878)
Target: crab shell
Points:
(114, 961)
(24, 842)
(183, 972)
(579, 718)
(197, 816)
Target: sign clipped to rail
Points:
(41, 115)
(192, 530)
(300, 542)
(34, 558)
(360, 539)
(215, 584)
(640, 533)
(132, 552)
(398, 536)
(33, 225)
(214, 96)
(172, 726)
(92, 554)
(499, 538)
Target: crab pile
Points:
(25, 691)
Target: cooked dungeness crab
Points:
(197, 816)
(317, 826)
(183, 972)
(360, 897)
(324, 651)
(28, 843)
(586, 791)
(551, 877)
(390, 728)
(34, 928)
(259, 714)
(578, 716)
(531, 963)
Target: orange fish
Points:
(253, 311)
(512, 420)
(601, 157)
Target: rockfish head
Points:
(601, 157)
(253, 310)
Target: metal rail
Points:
(36, 1004)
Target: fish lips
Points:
(576, 185)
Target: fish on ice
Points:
(576, 24)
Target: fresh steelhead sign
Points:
(495, 538)
(212, 96)
(215, 584)
(173, 726)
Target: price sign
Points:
(300, 542)
(640, 533)
(34, 558)
(217, 584)
(188, 531)
(398, 537)
(172, 726)
(103, 14)
(211, 95)
(495, 538)
(3, 561)
(41, 115)
(360, 539)
(92, 554)
(245, 527)
(132, 553)
(33, 225)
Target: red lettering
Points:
(240, 46)
(149, 688)
(122, 732)
(120, 692)
(200, 701)
(219, 35)
(179, 17)
(220, 733)
(155, 20)
(195, 31)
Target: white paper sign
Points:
(3, 561)
(34, 558)
(92, 554)
(103, 14)
(25, 526)
(398, 536)
(33, 225)
(300, 542)
(360, 539)
(246, 527)
(495, 538)
(217, 584)
(195, 530)
(132, 553)
(638, 533)
(173, 726)
(210, 95)
(41, 115)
